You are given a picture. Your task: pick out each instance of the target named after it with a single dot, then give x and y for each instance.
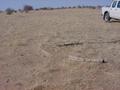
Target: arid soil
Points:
(59, 50)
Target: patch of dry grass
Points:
(30, 57)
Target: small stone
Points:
(7, 80)
(103, 61)
(21, 55)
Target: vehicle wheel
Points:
(107, 17)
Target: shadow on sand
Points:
(115, 21)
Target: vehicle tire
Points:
(107, 17)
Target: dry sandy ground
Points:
(59, 50)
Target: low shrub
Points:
(1, 11)
(47, 8)
(9, 11)
(28, 8)
(79, 6)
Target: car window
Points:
(114, 4)
(118, 6)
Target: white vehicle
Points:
(112, 12)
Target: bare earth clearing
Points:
(59, 50)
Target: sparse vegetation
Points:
(1, 11)
(46, 8)
(20, 10)
(37, 9)
(79, 6)
(74, 7)
(68, 49)
(91, 7)
(69, 7)
(28, 8)
(9, 11)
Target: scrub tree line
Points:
(28, 8)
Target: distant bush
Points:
(28, 8)
(37, 9)
(9, 11)
(69, 7)
(79, 6)
(1, 11)
(91, 7)
(64, 7)
(46, 8)
(20, 10)
(74, 7)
